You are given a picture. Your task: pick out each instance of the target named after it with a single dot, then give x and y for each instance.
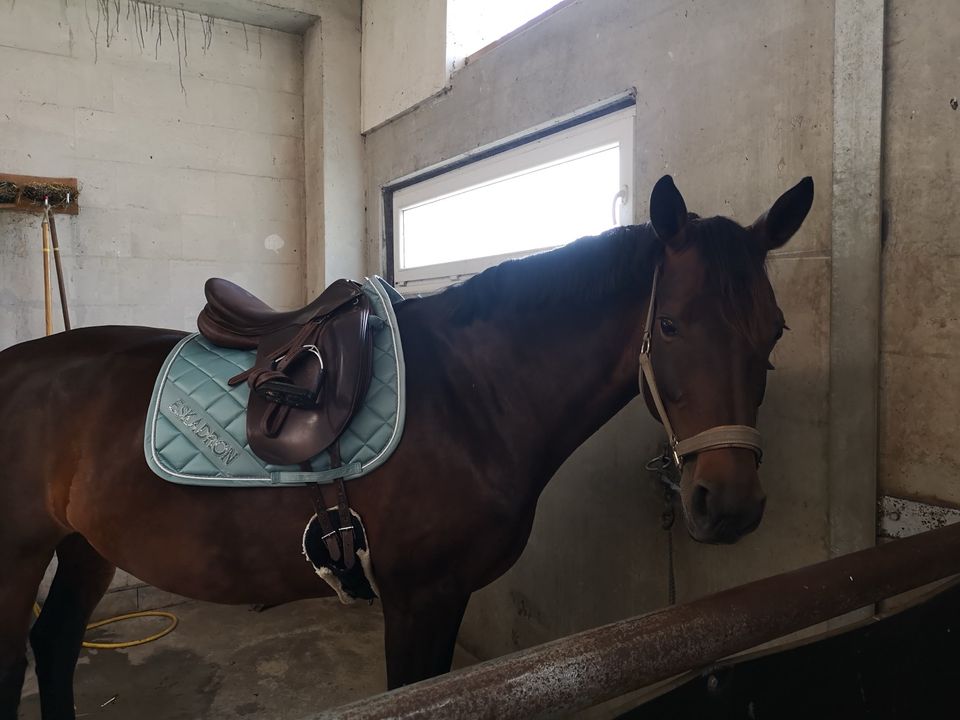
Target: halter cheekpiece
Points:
(720, 436)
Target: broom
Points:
(50, 196)
(51, 220)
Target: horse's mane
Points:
(592, 270)
(585, 271)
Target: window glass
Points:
(538, 208)
(533, 196)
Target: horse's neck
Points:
(575, 379)
(533, 386)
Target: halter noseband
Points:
(721, 436)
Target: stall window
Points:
(536, 193)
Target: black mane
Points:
(594, 269)
(584, 272)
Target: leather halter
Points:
(721, 436)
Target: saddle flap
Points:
(344, 351)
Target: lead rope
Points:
(665, 466)
(666, 474)
(668, 518)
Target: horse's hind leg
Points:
(22, 572)
(81, 580)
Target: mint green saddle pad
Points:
(196, 429)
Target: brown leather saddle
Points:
(312, 368)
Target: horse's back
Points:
(51, 374)
(35, 375)
(86, 343)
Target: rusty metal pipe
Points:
(603, 663)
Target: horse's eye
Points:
(668, 328)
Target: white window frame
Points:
(615, 128)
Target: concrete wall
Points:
(334, 157)
(404, 56)
(736, 116)
(177, 186)
(920, 358)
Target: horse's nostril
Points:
(699, 501)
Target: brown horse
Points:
(507, 374)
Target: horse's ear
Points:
(781, 221)
(668, 212)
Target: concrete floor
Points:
(229, 662)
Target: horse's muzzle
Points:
(722, 497)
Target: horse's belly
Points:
(213, 544)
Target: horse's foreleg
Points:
(22, 573)
(420, 635)
(81, 580)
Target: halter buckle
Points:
(666, 471)
(645, 344)
(677, 457)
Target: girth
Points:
(721, 436)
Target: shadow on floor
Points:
(228, 662)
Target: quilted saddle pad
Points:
(196, 429)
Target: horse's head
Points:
(715, 323)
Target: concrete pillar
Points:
(855, 284)
(333, 158)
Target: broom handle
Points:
(56, 261)
(47, 290)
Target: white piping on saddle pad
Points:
(326, 574)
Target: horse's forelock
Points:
(737, 273)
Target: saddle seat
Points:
(237, 318)
(312, 367)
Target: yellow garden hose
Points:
(128, 616)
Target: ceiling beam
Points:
(292, 16)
